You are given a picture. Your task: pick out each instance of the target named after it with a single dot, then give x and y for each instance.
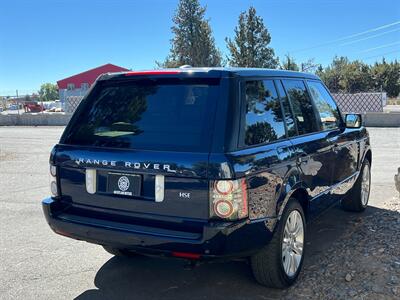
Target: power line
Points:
(369, 37)
(382, 54)
(380, 47)
(349, 36)
(369, 31)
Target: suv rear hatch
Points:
(132, 136)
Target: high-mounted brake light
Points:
(161, 72)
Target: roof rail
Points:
(185, 67)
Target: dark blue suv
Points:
(207, 163)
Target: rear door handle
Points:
(336, 147)
(302, 159)
(284, 151)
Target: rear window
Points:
(303, 109)
(147, 114)
(264, 119)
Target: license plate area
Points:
(124, 184)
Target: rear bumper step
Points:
(216, 240)
(129, 228)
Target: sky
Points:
(48, 40)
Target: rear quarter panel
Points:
(270, 171)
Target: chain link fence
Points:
(71, 103)
(360, 102)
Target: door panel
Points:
(343, 140)
(312, 147)
(346, 153)
(315, 160)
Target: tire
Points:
(357, 200)
(268, 264)
(119, 252)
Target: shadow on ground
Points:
(151, 278)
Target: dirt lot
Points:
(348, 255)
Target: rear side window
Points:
(264, 120)
(302, 106)
(148, 114)
(291, 127)
(326, 106)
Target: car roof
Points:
(215, 72)
(254, 72)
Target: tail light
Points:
(228, 199)
(53, 181)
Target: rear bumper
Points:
(217, 240)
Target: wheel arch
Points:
(301, 195)
(368, 155)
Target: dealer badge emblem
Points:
(123, 183)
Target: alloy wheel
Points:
(365, 185)
(293, 243)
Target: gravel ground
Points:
(348, 255)
(363, 264)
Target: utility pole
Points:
(17, 101)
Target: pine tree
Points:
(193, 43)
(289, 64)
(249, 48)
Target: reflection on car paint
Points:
(311, 167)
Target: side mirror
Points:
(353, 121)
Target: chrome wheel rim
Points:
(365, 184)
(292, 243)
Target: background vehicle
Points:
(207, 163)
(31, 106)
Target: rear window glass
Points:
(303, 109)
(290, 124)
(264, 120)
(154, 115)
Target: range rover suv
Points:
(207, 163)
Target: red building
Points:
(77, 85)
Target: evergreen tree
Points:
(386, 77)
(343, 75)
(289, 64)
(249, 48)
(193, 43)
(333, 74)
